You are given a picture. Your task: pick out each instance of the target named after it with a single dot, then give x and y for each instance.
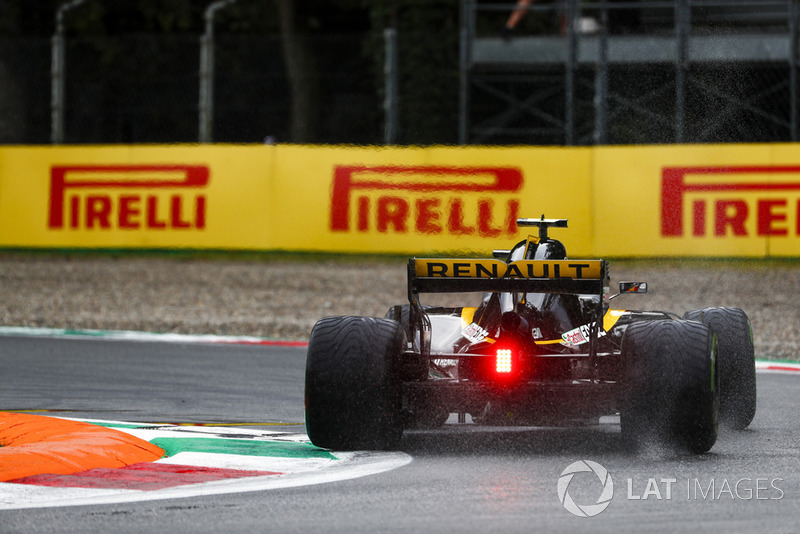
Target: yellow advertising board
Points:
(341, 199)
(697, 200)
(687, 200)
(134, 197)
(439, 199)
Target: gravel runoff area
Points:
(282, 297)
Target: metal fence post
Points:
(683, 22)
(466, 35)
(391, 77)
(206, 100)
(793, 77)
(58, 74)
(572, 17)
(601, 82)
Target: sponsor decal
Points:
(474, 333)
(573, 269)
(128, 197)
(733, 201)
(580, 335)
(425, 199)
(575, 337)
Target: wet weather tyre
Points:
(352, 390)
(671, 389)
(737, 365)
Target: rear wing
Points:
(491, 275)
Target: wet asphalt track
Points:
(461, 480)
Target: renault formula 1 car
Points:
(542, 347)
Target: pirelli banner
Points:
(340, 199)
(709, 200)
(698, 200)
(135, 197)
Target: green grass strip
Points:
(120, 425)
(243, 447)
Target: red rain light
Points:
(503, 361)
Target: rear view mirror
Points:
(632, 287)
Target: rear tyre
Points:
(670, 385)
(737, 365)
(353, 391)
